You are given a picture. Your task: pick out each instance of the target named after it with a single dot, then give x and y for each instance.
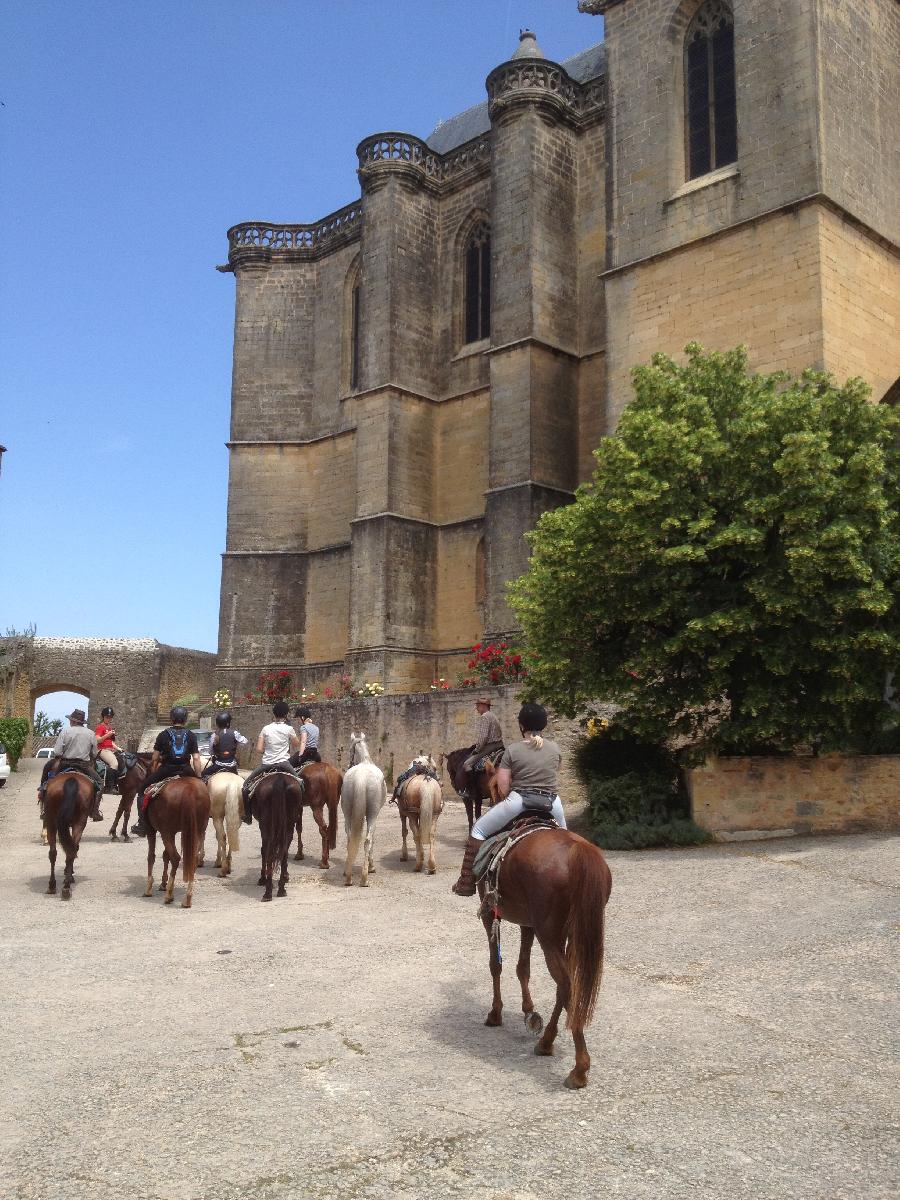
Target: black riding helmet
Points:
(532, 718)
(107, 712)
(303, 713)
(178, 715)
(223, 719)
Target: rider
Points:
(527, 779)
(276, 742)
(76, 747)
(106, 745)
(175, 752)
(423, 765)
(309, 740)
(223, 747)
(488, 738)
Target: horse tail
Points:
(589, 888)
(66, 814)
(190, 836)
(233, 813)
(282, 828)
(426, 811)
(333, 792)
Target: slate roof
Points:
(472, 122)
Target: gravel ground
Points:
(331, 1044)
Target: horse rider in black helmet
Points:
(175, 752)
(223, 747)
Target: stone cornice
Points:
(400, 155)
(597, 8)
(540, 83)
(261, 242)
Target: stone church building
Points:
(419, 375)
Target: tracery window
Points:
(709, 88)
(354, 335)
(477, 298)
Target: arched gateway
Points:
(139, 677)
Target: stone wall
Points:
(776, 797)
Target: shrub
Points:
(14, 735)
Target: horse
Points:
(478, 783)
(555, 885)
(130, 785)
(322, 790)
(68, 799)
(276, 805)
(225, 809)
(363, 794)
(181, 806)
(420, 803)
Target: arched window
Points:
(354, 335)
(477, 299)
(710, 98)
(351, 354)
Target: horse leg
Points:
(416, 823)
(298, 857)
(555, 957)
(283, 878)
(533, 1021)
(126, 803)
(174, 860)
(151, 858)
(403, 853)
(470, 812)
(221, 845)
(354, 837)
(69, 873)
(432, 836)
(112, 828)
(495, 1016)
(51, 842)
(164, 883)
(319, 814)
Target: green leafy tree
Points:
(730, 575)
(14, 735)
(44, 727)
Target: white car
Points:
(45, 752)
(4, 765)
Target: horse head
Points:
(359, 749)
(425, 760)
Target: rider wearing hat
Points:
(76, 746)
(223, 747)
(488, 738)
(527, 778)
(175, 752)
(106, 745)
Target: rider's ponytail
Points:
(535, 741)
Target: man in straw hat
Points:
(76, 747)
(488, 738)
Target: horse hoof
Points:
(418, 868)
(534, 1022)
(323, 866)
(575, 1081)
(51, 889)
(543, 1051)
(493, 1019)
(112, 836)
(125, 837)
(348, 882)
(265, 898)
(162, 887)
(281, 892)
(65, 894)
(186, 903)
(169, 899)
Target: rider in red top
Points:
(106, 744)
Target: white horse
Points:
(225, 810)
(420, 803)
(363, 794)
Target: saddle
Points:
(275, 769)
(493, 758)
(129, 759)
(494, 849)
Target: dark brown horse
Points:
(276, 805)
(129, 786)
(479, 784)
(555, 885)
(182, 806)
(68, 799)
(322, 790)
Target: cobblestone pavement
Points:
(331, 1044)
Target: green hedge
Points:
(14, 735)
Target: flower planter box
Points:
(755, 797)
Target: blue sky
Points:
(132, 135)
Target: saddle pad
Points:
(254, 783)
(497, 846)
(493, 758)
(74, 768)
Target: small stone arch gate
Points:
(139, 677)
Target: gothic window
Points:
(354, 335)
(710, 98)
(477, 298)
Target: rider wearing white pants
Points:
(527, 778)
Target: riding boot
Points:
(96, 814)
(465, 885)
(247, 815)
(140, 826)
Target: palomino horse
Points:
(421, 803)
(322, 790)
(478, 784)
(276, 805)
(225, 810)
(68, 798)
(129, 787)
(555, 885)
(363, 794)
(181, 806)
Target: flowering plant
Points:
(271, 687)
(370, 689)
(440, 685)
(222, 698)
(495, 662)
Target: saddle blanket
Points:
(493, 758)
(494, 849)
(252, 784)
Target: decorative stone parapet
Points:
(537, 81)
(386, 154)
(260, 242)
(756, 797)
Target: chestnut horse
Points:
(129, 787)
(322, 790)
(421, 803)
(182, 806)
(68, 799)
(478, 783)
(555, 885)
(276, 805)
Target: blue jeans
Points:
(501, 814)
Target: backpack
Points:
(178, 741)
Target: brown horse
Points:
(555, 885)
(182, 806)
(129, 787)
(68, 799)
(322, 790)
(478, 784)
(276, 805)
